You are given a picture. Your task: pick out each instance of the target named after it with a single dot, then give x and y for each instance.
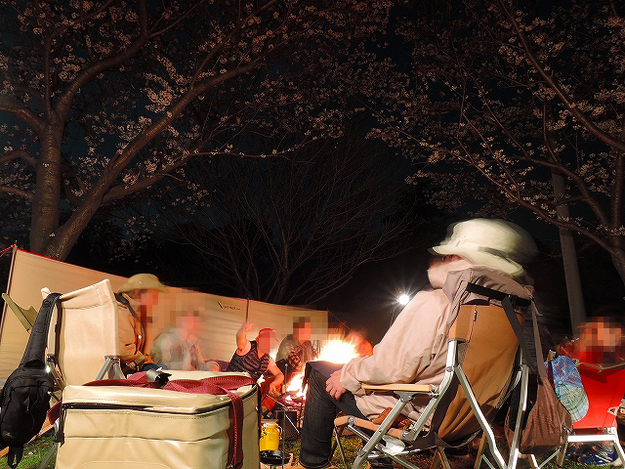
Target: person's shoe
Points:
(600, 455)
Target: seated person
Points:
(600, 341)
(253, 357)
(414, 348)
(135, 300)
(296, 349)
(178, 348)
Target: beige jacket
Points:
(413, 350)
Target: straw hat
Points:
(494, 243)
(142, 282)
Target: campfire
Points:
(335, 351)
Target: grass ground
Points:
(35, 452)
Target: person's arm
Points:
(276, 383)
(243, 344)
(411, 350)
(128, 352)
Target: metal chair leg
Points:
(48, 456)
(337, 439)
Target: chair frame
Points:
(110, 369)
(407, 392)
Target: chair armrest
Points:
(343, 420)
(25, 316)
(410, 387)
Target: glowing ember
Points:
(337, 351)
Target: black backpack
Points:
(25, 397)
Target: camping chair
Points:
(84, 345)
(484, 364)
(605, 387)
(83, 342)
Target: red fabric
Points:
(603, 382)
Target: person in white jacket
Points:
(414, 348)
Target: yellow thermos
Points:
(270, 435)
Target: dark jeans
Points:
(319, 414)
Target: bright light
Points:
(337, 351)
(296, 384)
(403, 299)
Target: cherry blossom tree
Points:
(102, 99)
(493, 100)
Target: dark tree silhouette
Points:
(290, 229)
(98, 98)
(495, 99)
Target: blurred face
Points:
(189, 321)
(601, 340)
(147, 297)
(301, 331)
(437, 260)
(264, 342)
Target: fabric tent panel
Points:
(29, 274)
(220, 316)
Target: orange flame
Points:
(295, 385)
(337, 351)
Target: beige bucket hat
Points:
(142, 282)
(494, 243)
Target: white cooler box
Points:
(130, 427)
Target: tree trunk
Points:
(569, 257)
(45, 207)
(618, 259)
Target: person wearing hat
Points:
(135, 300)
(414, 348)
(253, 356)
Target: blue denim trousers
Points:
(319, 414)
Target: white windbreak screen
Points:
(220, 317)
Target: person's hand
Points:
(274, 389)
(333, 385)
(247, 326)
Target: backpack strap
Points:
(221, 385)
(36, 347)
(123, 300)
(14, 456)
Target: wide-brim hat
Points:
(142, 282)
(494, 243)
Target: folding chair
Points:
(484, 364)
(605, 387)
(83, 342)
